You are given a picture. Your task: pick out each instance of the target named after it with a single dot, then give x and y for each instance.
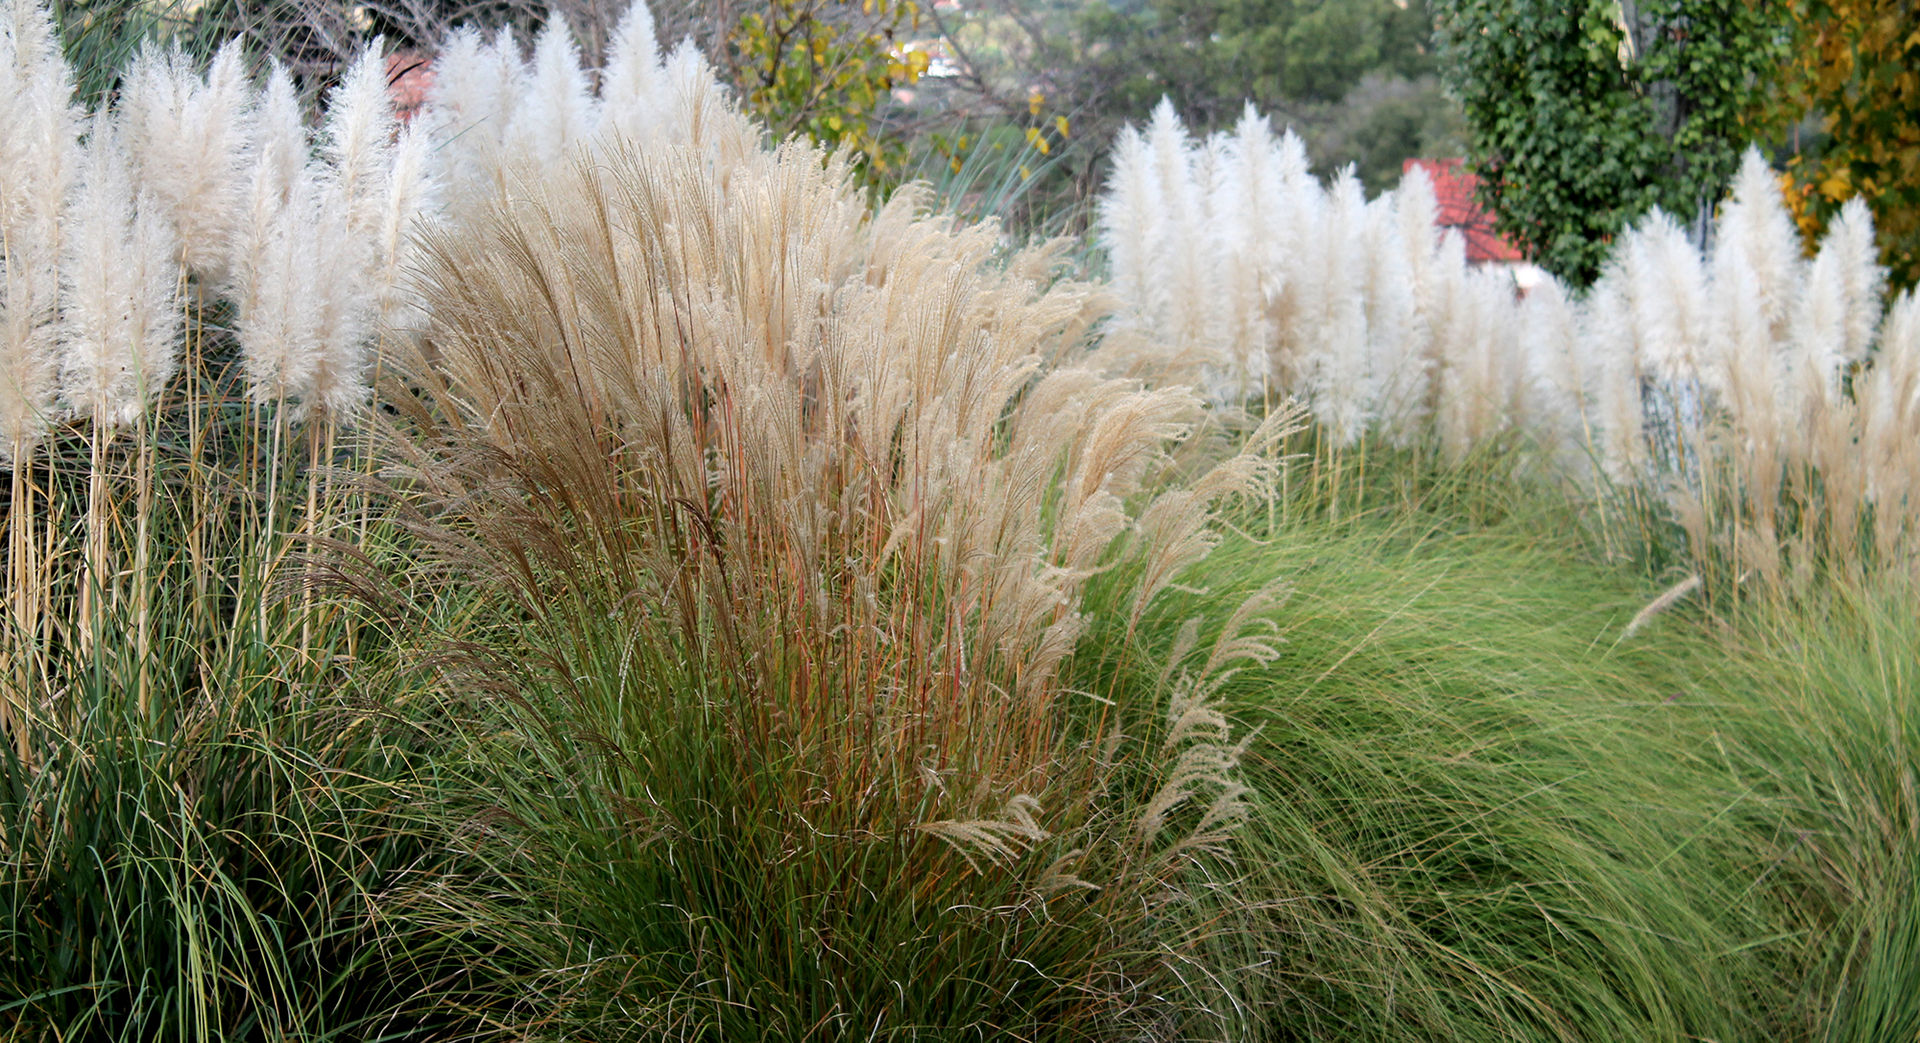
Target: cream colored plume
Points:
(38, 156)
(187, 139)
(122, 318)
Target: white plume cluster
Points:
(495, 120)
(1243, 273)
(308, 230)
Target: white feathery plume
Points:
(187, 138)
(1668, 289)
(557, 113)
(410, 201)
(1899, 354)
(476, 88)
(279, 132)
(38, 154)
(28, 381)
(355, 222)
(1755, 227)
(1341, 388)
(1554, 406)
(348, 303)
(1416, 211)
(37, 149)
(1612, 377)
(357, 142)
(1298, 289)
(1889, 395)
(631, 86)
(698, 114)
(1397, 366)
(1862, 280)
(1125, 215)
(279, 314)
(1495, 368)
(279, 162)
(1816, 356)
(1179, 263)
(1447, 304)
(1756, 272)
(1742, 362)
(122, 318)
(1414, 202)
(1245, 195)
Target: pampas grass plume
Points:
(1862, 280)
(1125, 214)
(122, 320)
(1612, 377)
(279, 314)
(187, 138)
(37, 147)
(412, 198)
(1668, 290)
(476, 89)
(558, 112)
(631, 91)
(358, 137)
(1755, 227)
(38, 150)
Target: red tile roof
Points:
(409, 78)
(1453, 188)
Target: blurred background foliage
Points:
(1857, 73)
(1007, 106)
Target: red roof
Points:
(409, 77)
(1453, 188)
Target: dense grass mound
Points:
(1483, 814)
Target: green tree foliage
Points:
(825, 68)
(1210, 56)
(1585, 115)
(1355, 78)
(1859, 68)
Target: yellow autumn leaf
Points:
(1034, 102)
(1060, 124)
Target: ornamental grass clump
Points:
(797, 508)
(202, 766)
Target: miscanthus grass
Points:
(796, 505)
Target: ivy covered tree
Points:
(1585, 114)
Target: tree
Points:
(1356, 78)
(1211, 56)
(826, 68)
(1584, 115)
(1858, 66)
